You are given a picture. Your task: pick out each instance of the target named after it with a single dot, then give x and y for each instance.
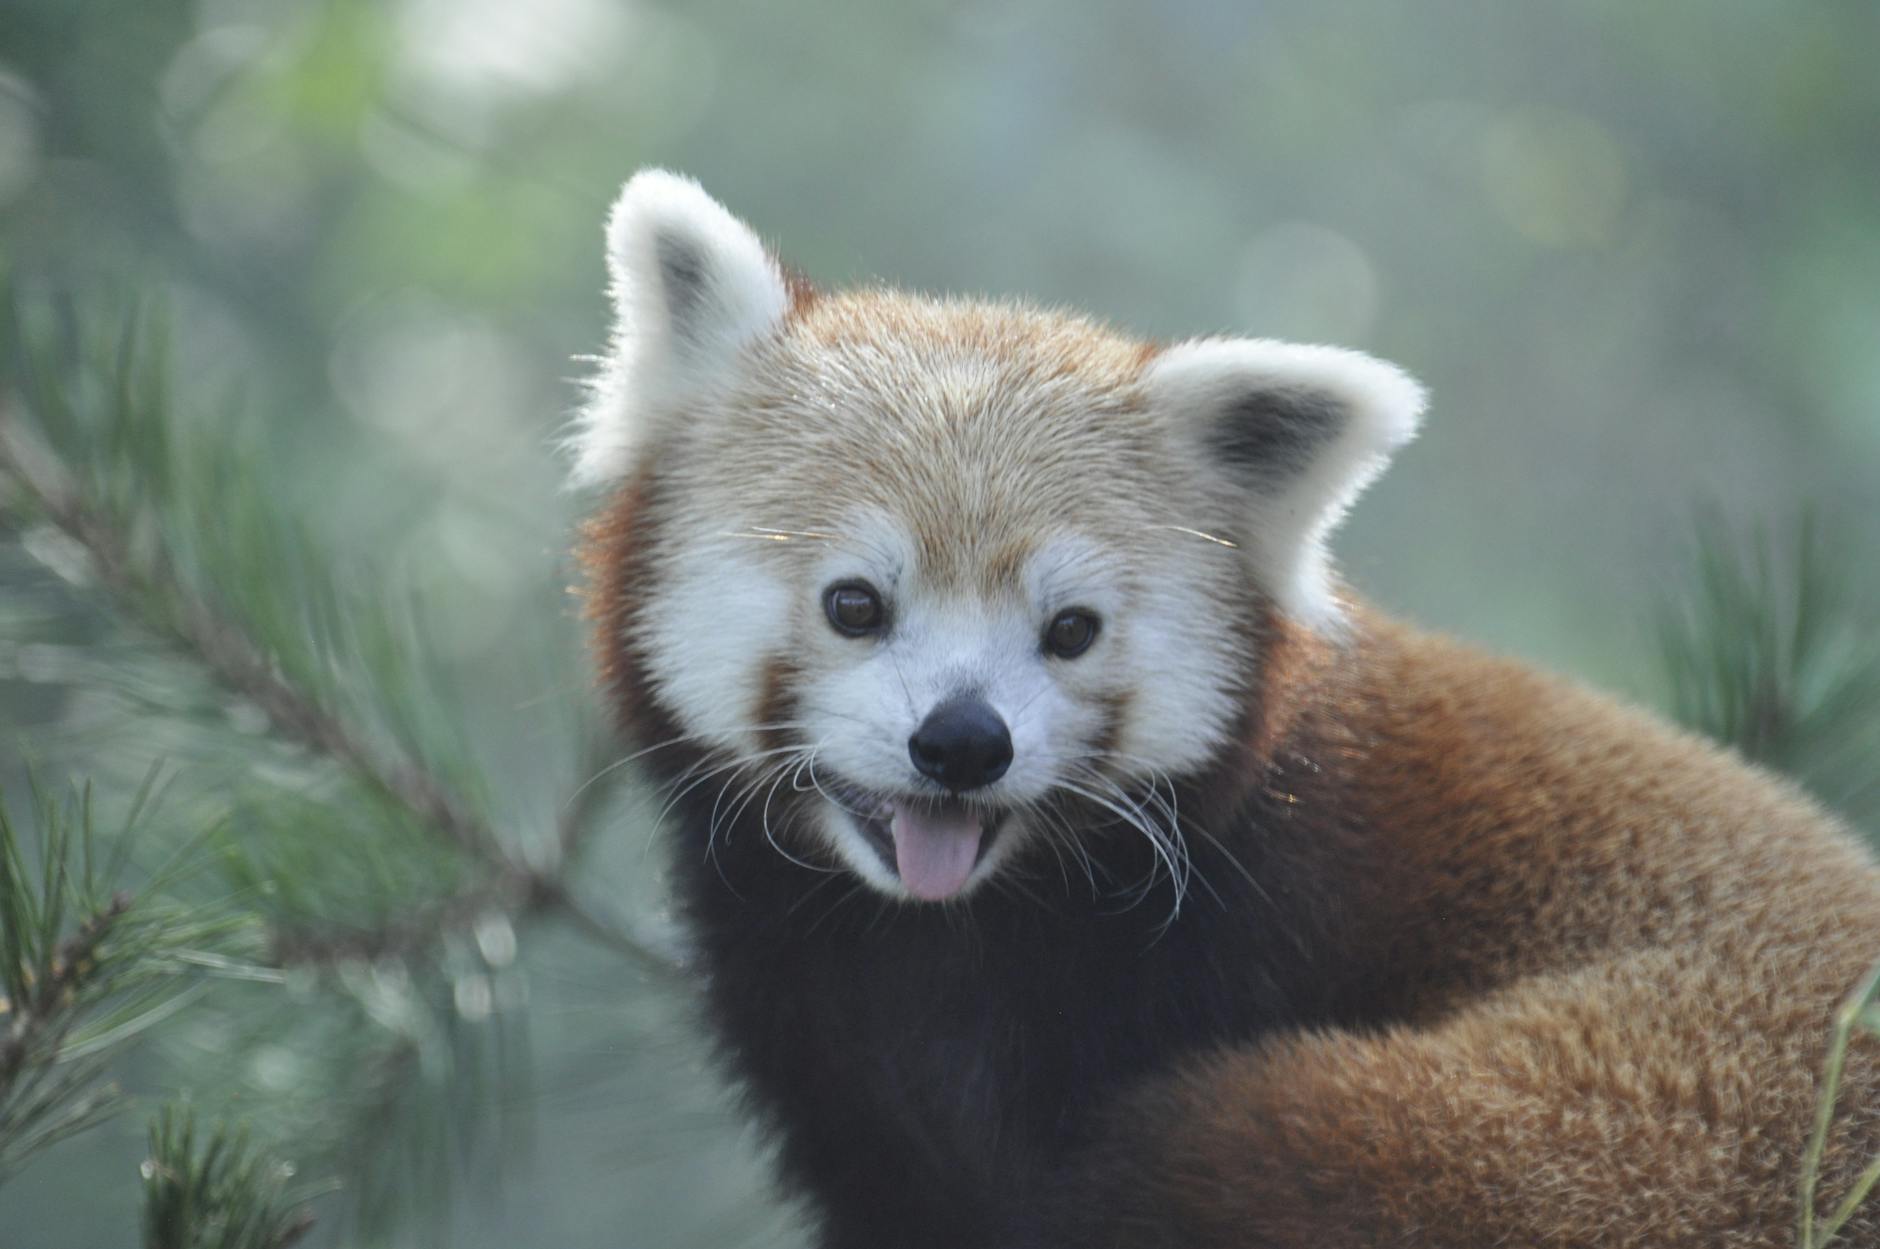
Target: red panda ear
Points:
(1299, 431)
(692, 287)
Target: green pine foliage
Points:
(1764, 651)
(357, 852)
(227, 1194)
(88, 968)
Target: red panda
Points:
(1074, 861)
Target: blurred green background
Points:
(1634, 250)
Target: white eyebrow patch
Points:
(868, 544)
(1072, 571)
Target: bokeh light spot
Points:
(1557, 178)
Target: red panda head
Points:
(914, 577)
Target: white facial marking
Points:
(722, 608)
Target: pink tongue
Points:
(934, 850)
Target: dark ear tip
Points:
(1271, 408)
(1277, 432)
(682, 273)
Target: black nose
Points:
(962, 744)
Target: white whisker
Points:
(1205, 537)
(764, 812)
(1159, 841)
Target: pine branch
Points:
(85, 969)
(228, 653)
(39, 1018)
(406, 936)
(120, 523)
(189, 543)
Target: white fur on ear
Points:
(1302, 430)
(692, 286)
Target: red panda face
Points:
(920, 576)
(929, 584)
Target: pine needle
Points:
(227, 1194)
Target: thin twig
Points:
(1845, 1020)
(407, 935)
(27, 1030)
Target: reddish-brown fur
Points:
(613, 559)
(1616, 949)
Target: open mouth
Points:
(932, 844)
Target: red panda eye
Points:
(854, 608)
(1070, 633)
